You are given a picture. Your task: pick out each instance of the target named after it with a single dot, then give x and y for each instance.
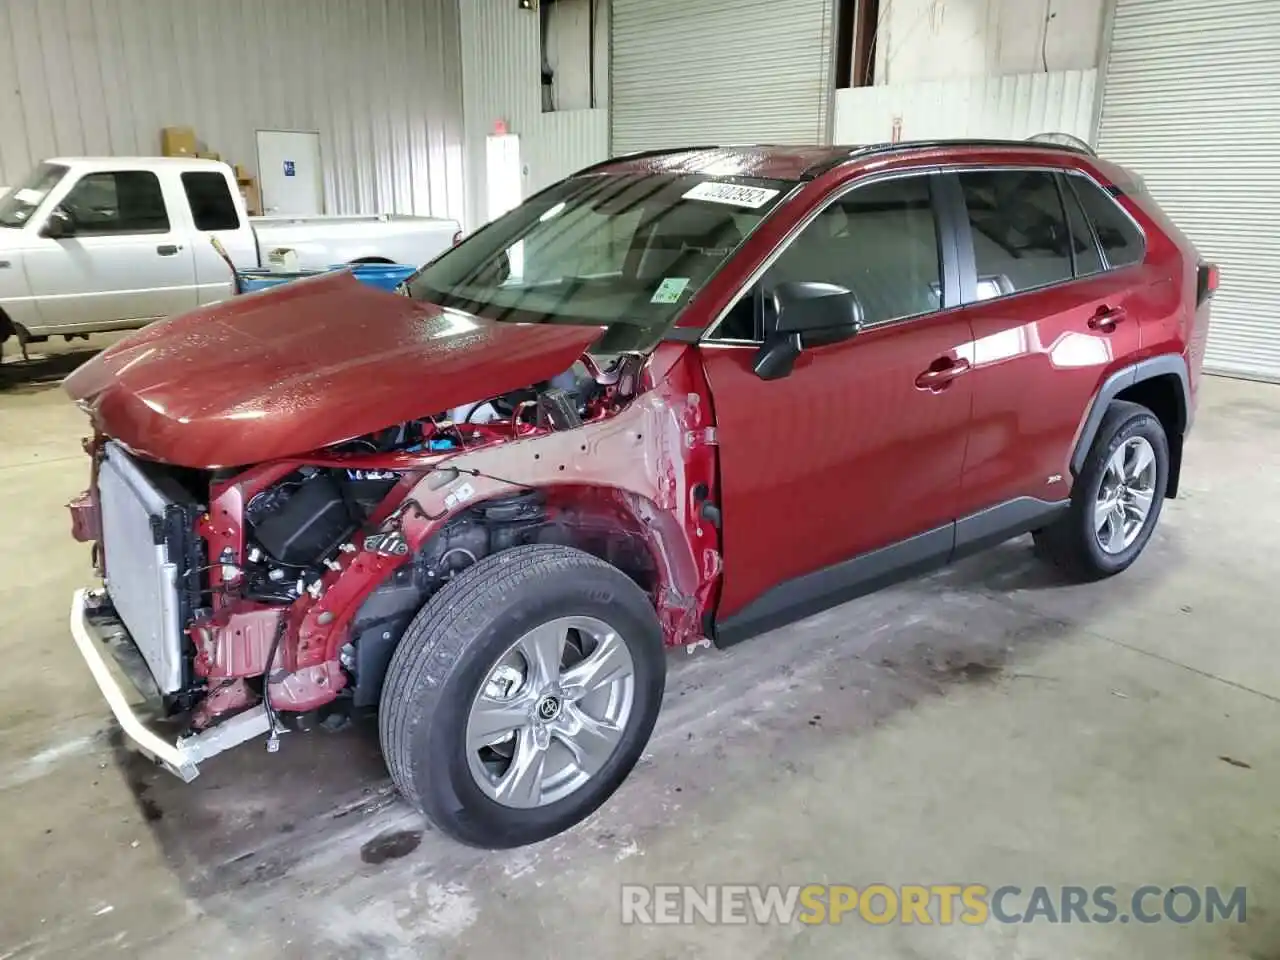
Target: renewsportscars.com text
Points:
(942, 904)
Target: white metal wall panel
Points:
(1016, 106)
(380, 80)
(1191, 100)
(688, 72)
(502, 81)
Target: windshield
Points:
(627, 252)
(18, 204)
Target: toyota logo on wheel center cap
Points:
(548, 708)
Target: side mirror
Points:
(59, 226)
(807, 314)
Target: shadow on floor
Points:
(20, 376)
(252, 817)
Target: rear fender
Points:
(1176, 421)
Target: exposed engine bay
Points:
(302, 523)
(299, 523)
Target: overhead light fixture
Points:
(526, 4)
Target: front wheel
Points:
(522, 695)
(1117, 497)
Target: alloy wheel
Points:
(1125, 495)
(551, 712)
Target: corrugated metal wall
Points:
(1010, 106)
(1191, 101)
(691, 72)
(380, 80)
(502, 82)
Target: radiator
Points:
(141, 577)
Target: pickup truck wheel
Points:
(1117, 498)
(522, 694)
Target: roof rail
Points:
(1040, 140)
(641, 155)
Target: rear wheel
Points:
(522, 695)
(1117, 497)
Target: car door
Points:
(121, 259)
(1049, 319)
(845, 472)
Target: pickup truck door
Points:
(127, 260)
(844, 473)
(217, 212)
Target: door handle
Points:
(941, 372)
(167, 249)
(1106, 318)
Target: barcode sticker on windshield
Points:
(669, 290)
(732, 194)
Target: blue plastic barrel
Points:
(384, 275)
(251, 281)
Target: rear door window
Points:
(1121, 240)
(1020, 236)
(212, 207)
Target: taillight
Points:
(1206, 282)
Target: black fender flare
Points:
(1122, 380)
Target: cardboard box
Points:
(178, 142)
(252, 201)
(209, 155)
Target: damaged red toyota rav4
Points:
(681, 395)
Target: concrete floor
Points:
(987, 724)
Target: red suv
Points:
(681, 395)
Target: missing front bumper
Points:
(181, 757)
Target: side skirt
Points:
(872, 571)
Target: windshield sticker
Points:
(732, 194)
(669, 290)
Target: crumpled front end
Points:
(242, 599)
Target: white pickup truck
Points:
(95, 244)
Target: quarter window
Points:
(1121, 240)
(122, 201)
(1019, 229)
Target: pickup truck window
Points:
(19, 203)
(623, 251)
(115, 202)
(210, 198)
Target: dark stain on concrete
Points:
(390, 846)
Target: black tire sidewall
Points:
(1138, 423)
(438, 760)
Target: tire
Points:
(450, 654)
(1073, 543)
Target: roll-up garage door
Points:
(694, 72)
(1191, 103)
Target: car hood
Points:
(303, 366)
